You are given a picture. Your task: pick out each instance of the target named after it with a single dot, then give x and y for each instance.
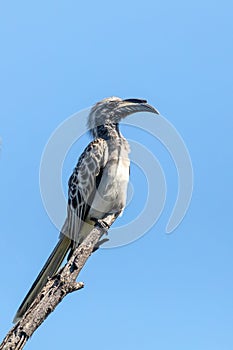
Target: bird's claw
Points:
(101, 242)
(101, 223)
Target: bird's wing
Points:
(82, 187)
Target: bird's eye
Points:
(135, 100)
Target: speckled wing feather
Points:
(82, 187)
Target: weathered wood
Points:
(61, 284)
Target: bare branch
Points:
(63, 283)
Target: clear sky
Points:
(57, 57)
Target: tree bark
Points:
(61, 284)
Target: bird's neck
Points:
(107, 131)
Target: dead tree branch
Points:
(63, 283)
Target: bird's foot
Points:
(101, 242)
(105, 227)
(102, 224)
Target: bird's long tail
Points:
(50, 268)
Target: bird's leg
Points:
(105, 224)
(102, 224)
(106, 221)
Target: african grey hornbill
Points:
(98, 185)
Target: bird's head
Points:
(112, 109)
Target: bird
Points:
(97, 188)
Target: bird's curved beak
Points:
(145, 107)
(134, 105)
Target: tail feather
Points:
(50, 268)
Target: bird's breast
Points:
(111, 194)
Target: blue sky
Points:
(162, 291)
